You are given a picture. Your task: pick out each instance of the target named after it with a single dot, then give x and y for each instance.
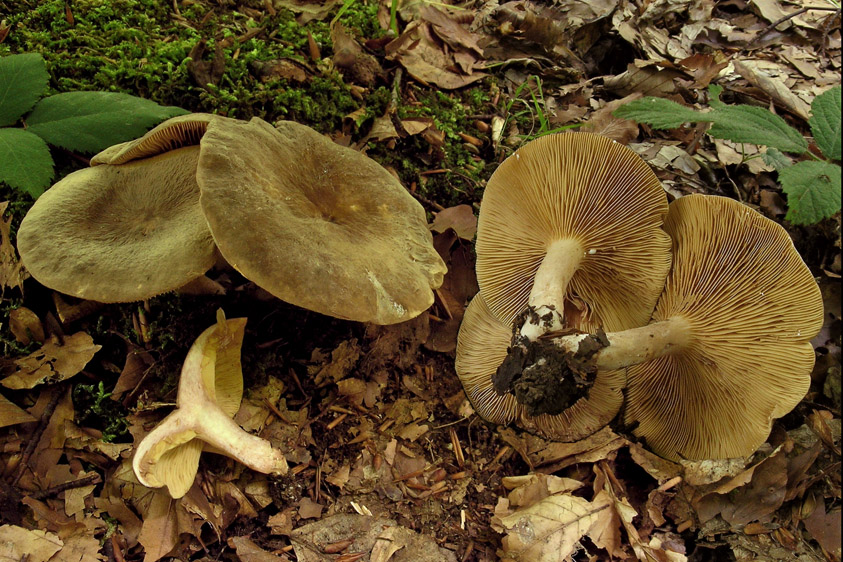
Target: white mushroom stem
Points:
(207, 422)
(633, 346)
(550, 285)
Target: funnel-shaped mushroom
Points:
(318, 225)
(729, 348)
(209, 395)
(177, 132)
(571, 226)
(482, 345)
(128, 228)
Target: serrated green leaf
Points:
(23, 80)
(25, 161)
(825, 122)
(659, 113)
(745, 123)
(775, 158)
(813, 191)
(93, 121)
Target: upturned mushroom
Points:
(316, 224)
(127, 229)
(570, 234)
(728, 349)
(482, 346)
(210, 390)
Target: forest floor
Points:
(388, 460)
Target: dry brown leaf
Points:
(460, 218)
(11, 414)
(308, 10)
(80, 548)
(309, 509)
(248, 551)
(26, 326)
(12, 273)
(547, 531)
(825, 527)
(161, 529)
(52, 363)
(343, 360)
(425, 60)
(17, 543)
(383, 539)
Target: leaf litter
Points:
(388, 460)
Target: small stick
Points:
(789, 16)
(55, 490)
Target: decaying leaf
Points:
(549, 530)
(12, 273)
(17, 543)
(383, 539)
(26, 326)
(52, 363)
(11, 414)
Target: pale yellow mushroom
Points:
(210, 390)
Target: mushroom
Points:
(318, 225)
(570, 231)
(729, 346)
(177, 132)
(120, 233)
(482, 345)
(210, 390)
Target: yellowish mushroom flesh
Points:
(209, 395)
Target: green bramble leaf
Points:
(23, 80)
(93, 121)
(776, 159)
(659, 113)
(813, 191)
(825, 122)
(25, 161)
(756, 125)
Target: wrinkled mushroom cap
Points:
(584, 187)
(316, 224)
(482, 346)
(177, 132)
(120, 233)
(753, 307)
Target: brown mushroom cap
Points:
(120, 233)
(588, 190)
(177, 132)
(482, 345)
(753, 307)
(316, 224)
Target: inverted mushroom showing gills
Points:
(210, 390)
(318, 225)
(729, 347)
(120, 233)
(570, 225)
(482, 345)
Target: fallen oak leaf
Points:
(52, 363)
(549, 530)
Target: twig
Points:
(789, 16)
(36, 435)
(55, 490)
